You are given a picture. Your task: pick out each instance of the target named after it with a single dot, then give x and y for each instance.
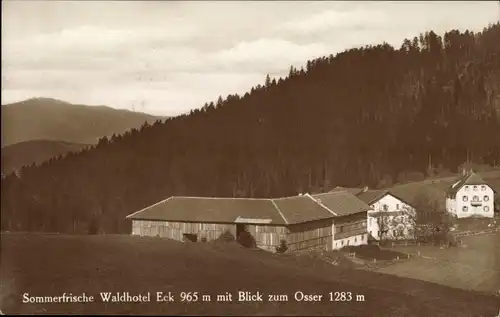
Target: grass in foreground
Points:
(45, 265)
(475, 265)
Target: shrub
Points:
(203, 239)
(282, 248)
(247, 240)
(93, 226)
(226, 236)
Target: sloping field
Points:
(47, 265)
(475, 266)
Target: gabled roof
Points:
(278, 211)
(470, 178)
(372, 195)
(299, 209)
(342, 203)
(215, 210)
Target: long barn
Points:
(325, 221)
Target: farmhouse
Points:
(324, 221)
(390, 217)
(470, 196)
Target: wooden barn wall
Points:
(175, 230)
(267, 237)
(349, 226)
(310, 235)
(300, 237)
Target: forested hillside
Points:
(357, 118)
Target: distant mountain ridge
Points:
(21, 154)
(57, 120)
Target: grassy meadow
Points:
(475, 265)
(48, 265)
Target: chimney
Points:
(365, 189)
(300, 194)
(464, 171)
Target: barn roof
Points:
(342, 203)
(299, 209)
(207, 209)
(278, 211)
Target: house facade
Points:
(349, 227)
(389, 217)
(470, 196)
(305, 222)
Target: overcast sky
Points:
(167, 57)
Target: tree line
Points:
(365, 116)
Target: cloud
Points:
(174, 56)
(268, 51)
(96, 44)
(338, 20)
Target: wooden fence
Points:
(391, 244)
(474, 232)
(458, 234)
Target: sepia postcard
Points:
(250, 158)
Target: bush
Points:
(203, 239)
(282, 248)
(247, 240)
(93, 227)
(227, 236)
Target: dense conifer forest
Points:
(366, 116)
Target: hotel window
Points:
(464, 198)
(486, 208)
(466, 188)
(386, 208)
(486, 198)
(475, 198)
(397, 206)
(475, 187)
(465, 208)
(483, 187)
